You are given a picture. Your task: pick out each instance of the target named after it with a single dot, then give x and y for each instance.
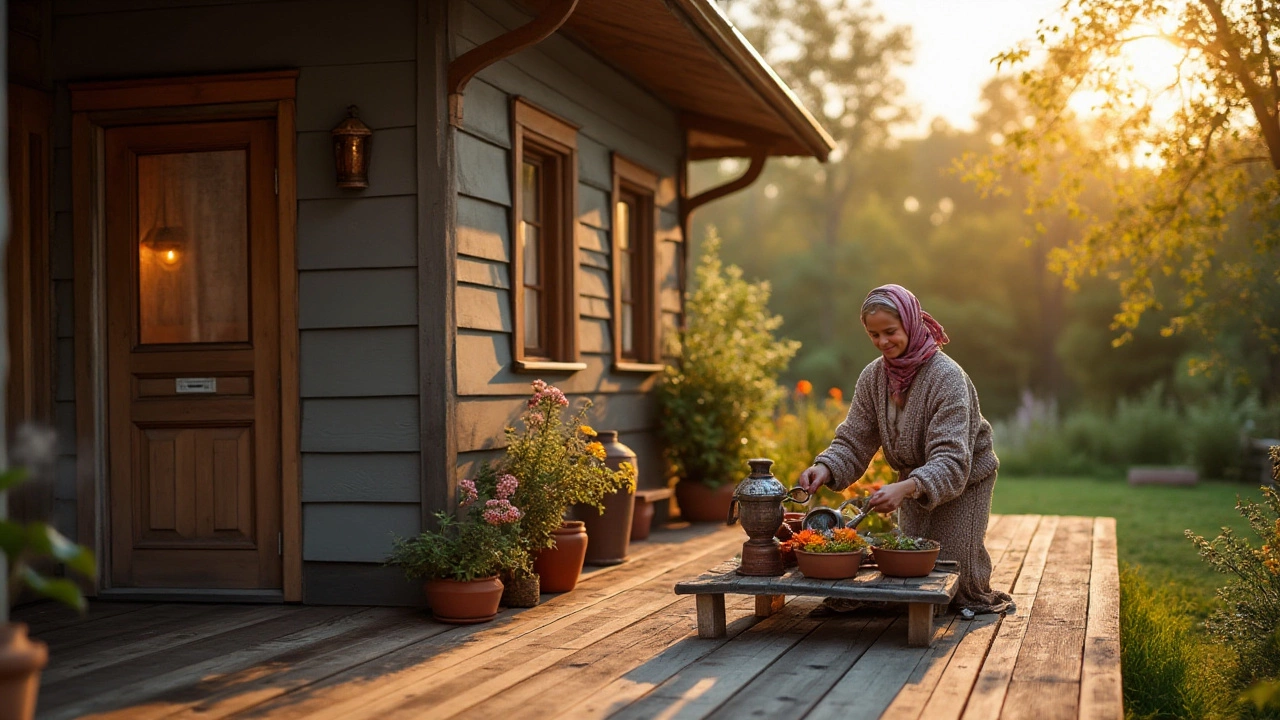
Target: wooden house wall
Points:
(356, 250)
(615, 115)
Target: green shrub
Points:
(1168, 670)
(723, 388)
(1148, 431)
(1248, 612)
(1214, 425)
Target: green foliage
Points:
(898, 541)
(1149, 431)
(1189, 170)
(1169, 670)
(24, 543)
(1249, 604)
(481, 543)
(558, 464)
(719, 394)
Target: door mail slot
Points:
(197, 385)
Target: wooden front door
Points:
(193, 408)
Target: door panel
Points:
(193, 356)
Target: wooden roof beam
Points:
(465, 66)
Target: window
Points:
(635, 313)
(544, 257)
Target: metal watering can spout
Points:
(825, 519)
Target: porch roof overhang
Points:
(688, 54)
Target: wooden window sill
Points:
(550, 366)
(638, 367)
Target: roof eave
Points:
(717, 28)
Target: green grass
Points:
(1149, 521)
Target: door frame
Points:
(94, 108)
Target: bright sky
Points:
(954, 42)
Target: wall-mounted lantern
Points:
(351, 151)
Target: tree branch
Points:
(1262, 109)
(1264, 33)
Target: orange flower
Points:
(836, 394)
(806, 537)
(804, 387)
(844, 534)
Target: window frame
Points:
(632, 179)
(550, 138)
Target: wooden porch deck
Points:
(622, 645)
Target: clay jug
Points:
(610, 531)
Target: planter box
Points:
(1186, 476)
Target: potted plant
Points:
(834, 555)
(463, 557)
(22, 659)
(900, 555)
(560, 463)
(609, 529)
(722, 388)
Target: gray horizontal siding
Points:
(480, 421)
(375, 232)
(360, 425)
(356, 532)
(483, 308)
(361, 478)
(337, 583)
(357, 298)
(230, 37)
(469, 462)
(484, 273)
(484, 368)
(359, 362)
(593, 207)
(381, 90)
(487, 113)
(483, 230)
(484, 171)
(594, 336)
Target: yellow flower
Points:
(587, 430)
(596, 450)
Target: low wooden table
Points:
(920, 594)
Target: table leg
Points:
(767, 605)
(711, 616)
(919, 624)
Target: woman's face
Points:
(886, 333)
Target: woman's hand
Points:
(814, 477)
(890, 497)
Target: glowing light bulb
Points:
(171, 256)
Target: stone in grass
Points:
(1163, 475)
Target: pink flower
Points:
(501, 512)
(542, 391)
(468, 490)
(507, 485)
(534, 419)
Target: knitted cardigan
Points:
(944, 442)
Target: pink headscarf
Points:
(924, 337)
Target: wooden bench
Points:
(920, 594)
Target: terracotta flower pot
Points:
(464, 603)
(829, 566)
(905, 563)
(520, 592)
(21, 660)
(558, 567)
(641, 519)
(701, 503)
(610, 531)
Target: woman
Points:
(921, 407)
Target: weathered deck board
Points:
(621, 645)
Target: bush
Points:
(1214, 426)
(1169, 671)
(723, 388)
(1248, 613)
(1148, 431)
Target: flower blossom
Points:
(596, 450)
(836, 394)
(542, 391)
(804, 387)
(469, 494)
(501, 512)
(507, 485)
(535, 419)
(587, 430)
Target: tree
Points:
(1191, 165)
(837, 56)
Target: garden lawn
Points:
(1149, 520)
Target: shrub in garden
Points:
(719, 394)
(1148, 430)
(1248, 612)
